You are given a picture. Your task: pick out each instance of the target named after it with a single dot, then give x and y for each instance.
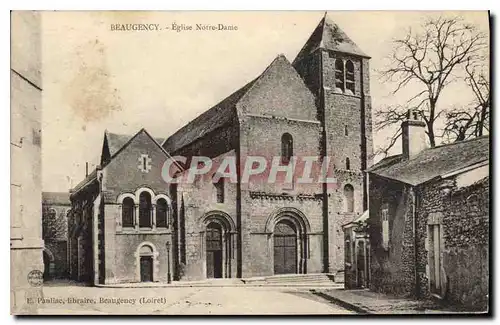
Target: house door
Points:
(146, 268)
(285, 248)
(435, 261)
(214, 250)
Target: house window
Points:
(339, 75)
(349, 198)
(219, 190)
(128, 212)
(349, 78)
(347, 164)
(286, 148)
(162, 213)
(145, 210)
(385, 227)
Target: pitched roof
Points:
(434, 162)
(56, 198)
(329, 36)
(87, 180)
(215, 117)
(116, 141)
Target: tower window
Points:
(346, 131)
(286, 148)
(349, 198)
(349, 79)
(347, 164)
(339, 74)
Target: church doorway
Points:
(146, 269)
(285, 248)
(146, 254)
(214, 250)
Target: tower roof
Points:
(328, 35)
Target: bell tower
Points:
(336, 71)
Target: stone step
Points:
(322, 278)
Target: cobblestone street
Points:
(184, 301)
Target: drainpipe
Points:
(414, 224)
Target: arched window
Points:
(286, 148)
(128, 212)
(162, 213)
(145, 209)
(349, 198)
(339, 74)
(347, 164)
(349, 78)
(219, 190)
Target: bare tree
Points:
(428, 59)
(472, 120)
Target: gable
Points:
(279, 92)
(138, 163)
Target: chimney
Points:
(414, 139)
(86, 169)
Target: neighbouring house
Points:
(318, 106)
(429, 219)
(55, 209)
(357, 253)
(26, 243)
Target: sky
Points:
(96, 79)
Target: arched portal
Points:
(285, 248)
(214, 250)
(289, 242)
(219, 240)
(147, 263)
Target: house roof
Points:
(55, 198)
(87, 180)
(434, 162)
(329, 36)
(215, 117)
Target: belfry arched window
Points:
(349, 198)
(339, 74)
(162, 213)
(145, 210)
(349, 78)
(286, 148)
(128, 212)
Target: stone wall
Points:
(465, 222)
(393, 267)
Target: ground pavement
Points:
(73, 299)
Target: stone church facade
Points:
(128, 225)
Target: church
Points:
(128, 225)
